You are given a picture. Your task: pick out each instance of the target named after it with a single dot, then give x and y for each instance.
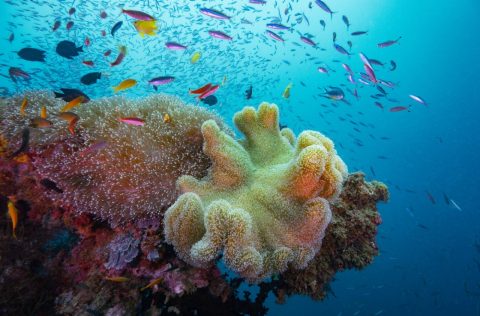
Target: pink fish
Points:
(175, 46)
(275, 36)
(220, 35)
(389, 43)
(209, 92)
(132, 121)
(323, 70)
(138, 15)
(399, 108)
(347, 68)
(370, 73)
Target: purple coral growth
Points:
(122, 250)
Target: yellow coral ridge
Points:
(264, 204)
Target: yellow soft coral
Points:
(265, 201)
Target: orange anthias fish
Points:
(13, 213)
(70, 105)
(71, 118)
(23, 106)
(125, 84)
(151, 284)
(202, 89)
(167, 118)
(43, 112)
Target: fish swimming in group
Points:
(158, 81)
(90, 78)
(121, 55)
(138, 15)
(32, 54)
(286, 92)
(146, 27)
(15, 72)
(24, 145)
(324, 7)
(358, 33)
(346, 21)
(210, 100)
(50, 185)
(40, 122)
(214, 14)
(195, 57)
(68, 95)
(248, 93)
(334, 93)
(73, 103)
(135, 121)
(219, 35)
(175, 46)
(13, 213)
(125, 84)
(55, 26)
(389, 43)
(275, 36)
(68, 49)
(116, 27)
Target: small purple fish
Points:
(370, 73)
(219, 35)
(324, 7)
(258, 2)
(418, 99)
(275, 36)
(175, 46)
(277, 26)
(341, 50)
(365, 60)
(323, 70)
(155, 82)
(214, 14)
(389, 43)
(15, 73)
(307, 41)
(347, 68)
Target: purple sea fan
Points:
(122, 250)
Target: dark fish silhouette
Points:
(248, 93)
(210, 100)
(68, 49)
(116, 27)
(90, 78)
(50, 185)
(68, 95)
(24, 145)
(32, 54)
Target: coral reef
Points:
(265, 201)
(108, 168)
(349, 241)
(66, 261)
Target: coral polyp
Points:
(265, 203)
(108, 168)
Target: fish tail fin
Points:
(58, 94)
(80, 49)
(155, 88)
(115, 89)
(399, 38)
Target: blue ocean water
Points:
(429, 262)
